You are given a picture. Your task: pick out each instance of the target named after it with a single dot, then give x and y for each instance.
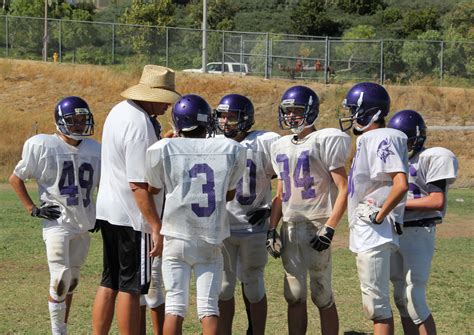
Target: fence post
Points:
(113, 43)
(270, 58)
(60, 41)
(441, 66)
(381, 62)
(267, 40)
(326, 61)
(6, 36)
(167, 41)
(223, 51)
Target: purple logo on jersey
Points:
(383, 151)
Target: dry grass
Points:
(30, 90)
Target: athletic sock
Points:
(57, 314)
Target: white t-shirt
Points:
(254, 189)
(427, 166)
(304, 167)
(127, 134)
(66, 175)
(196, 175)
(379, 152)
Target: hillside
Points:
(30, 90)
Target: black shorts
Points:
(127, 264)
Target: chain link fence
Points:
(323, 59)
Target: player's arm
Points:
(397, 192)
(19, 187)
(46, 211)
(146, 204)
(273, 243)
(323, 239)
(276, 213)
(339, 176)
(230, 195)
(435, 200)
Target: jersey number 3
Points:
(67, 183)
(207, 188)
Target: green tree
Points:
(418, 21)
(145, 41)
(361, 56)
(309, 17)
(421, 56)
(361, 7)
(460, 19)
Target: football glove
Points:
(373, 218)
(258, 216)
(323, 239)
(273, 243)
(48, 212)
(96, 227)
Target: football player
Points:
(198, 176)
(377, 189)
(248, 214)
(66, 167)
(430, 172)
(311, 198)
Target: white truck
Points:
(216, 68)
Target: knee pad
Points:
(255, 290)
(59, 285)
(294, 291)
(400, 298)
(416, 305)
(321, 294)
(155, 296)
(229, 280)
(376, 310)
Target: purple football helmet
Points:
(191, 111)
(242, 107)
(73, 118)
(412, 124)
(298, 97)
(367, 103)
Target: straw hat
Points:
(156, 85)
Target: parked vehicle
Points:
(216, 68)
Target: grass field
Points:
(24, 278)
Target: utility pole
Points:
(45, 36)
(204, 35)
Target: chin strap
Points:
(374, 118)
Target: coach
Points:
(125, 208)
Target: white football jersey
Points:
(254, 189)
(379, 152)
(66, 175)
(427, 166)
(128, 133)
(195, 175)
(304, 167)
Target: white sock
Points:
(57, 314)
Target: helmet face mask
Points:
(412, 124)
(234, 115)
(366, 103)
(73, 118)
(299, 108)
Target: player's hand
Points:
(157, 250)
(96, 228)
(367, 212)
(273, 243)
(323, 239)
(258, 216)
(48, 212)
